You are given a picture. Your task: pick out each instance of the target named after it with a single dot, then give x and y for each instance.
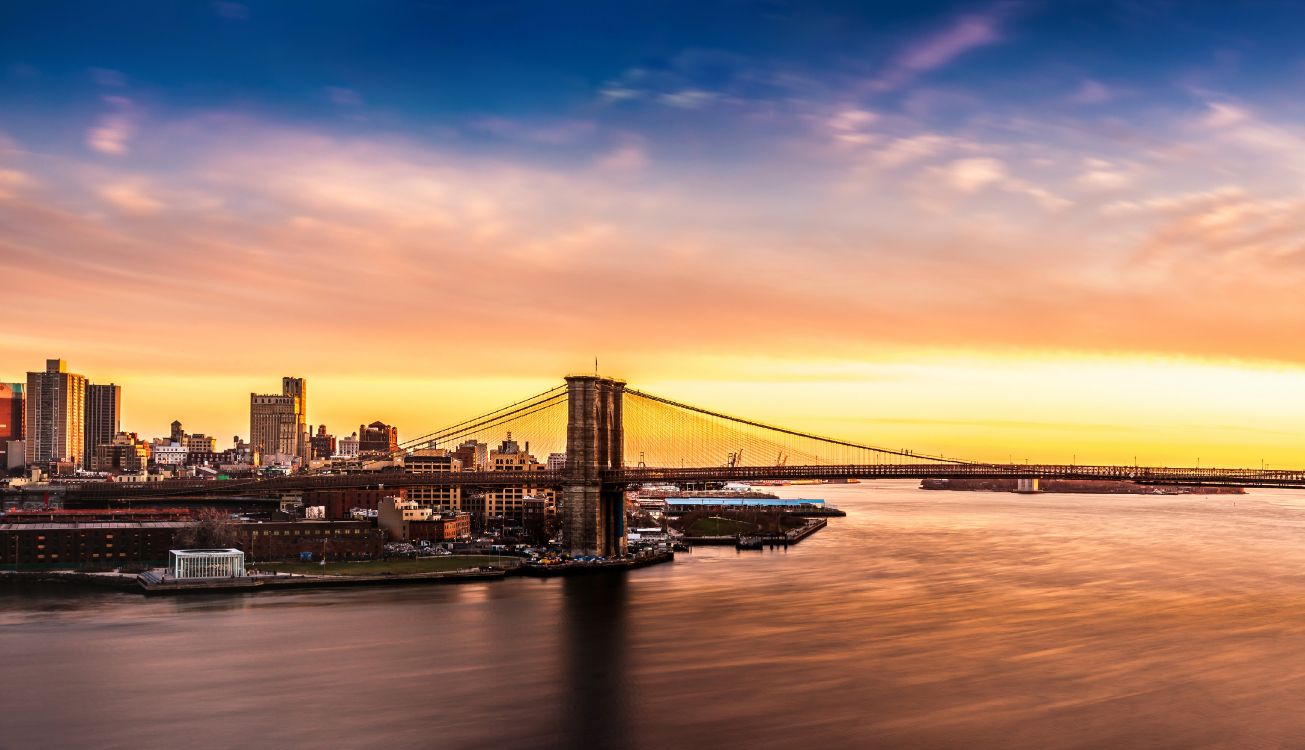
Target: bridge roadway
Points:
(1138, 474)
(628, 476)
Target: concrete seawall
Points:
(266, 583)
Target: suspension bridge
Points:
(614, 436)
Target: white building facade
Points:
(206, 563)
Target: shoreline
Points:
(147, 585)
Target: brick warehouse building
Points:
(86, 544)
(338, 502)
(110, 544)
(286, 540)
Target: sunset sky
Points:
(1045, 230)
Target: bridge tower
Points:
(593, 513)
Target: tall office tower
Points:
(273, 423)
(298, 387)
(12, 419)
(56, 417)
(278, 424)
(103, 418)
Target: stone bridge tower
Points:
(594, 513)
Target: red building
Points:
(287, 540)
(11, 419)
(447, 527)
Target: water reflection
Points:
(923, 620)
(596, 665)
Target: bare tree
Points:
(212, 529)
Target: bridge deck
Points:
(627, 476)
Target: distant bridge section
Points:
(1135, 474)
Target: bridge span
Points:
(614, 437)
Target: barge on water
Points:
(760, 541)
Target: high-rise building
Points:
(56, 416)
(272, 423)
(103, 418)
(12, 419)
(298, 387)
(378, 437)
(277, 424)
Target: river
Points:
(922, 620)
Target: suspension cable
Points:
(805, 435)
(435, 435)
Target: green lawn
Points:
(390, 567)
(719, 527)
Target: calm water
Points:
(923, 620)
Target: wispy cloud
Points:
(630, 157)
(111, 133)
(12, 181)
(975, 174)
(963, 34)
(131, 197)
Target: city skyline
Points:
(988, 230)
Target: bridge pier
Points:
(593, 513)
